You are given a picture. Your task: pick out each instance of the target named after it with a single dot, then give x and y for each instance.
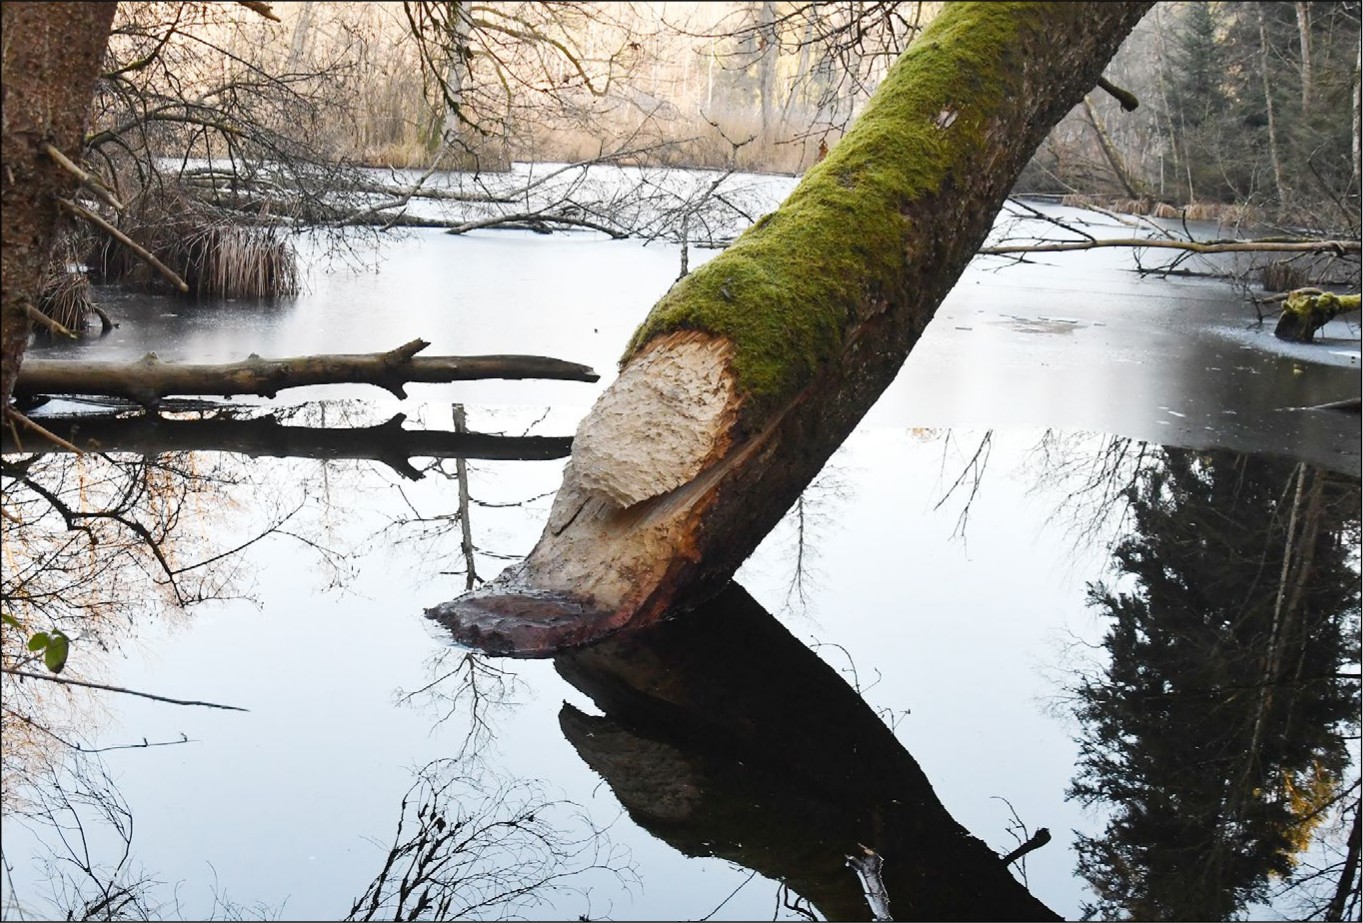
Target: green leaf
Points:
(57, 649)
(11, 620)
(38, 641)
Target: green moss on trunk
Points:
(790, 289)
(1306, 312)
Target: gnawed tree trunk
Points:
(388, 442)
(50, 58)
(751, 371)
(706, 738)
(149, 379)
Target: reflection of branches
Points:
(973, 470)
(474, 685)
(471, 846)
(81, 808)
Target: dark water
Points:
(1042, 585)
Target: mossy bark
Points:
(815, 308)
(1306, 312)
(51, 56)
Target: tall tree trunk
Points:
(766, 67)
(1304, 34)
(1268, 104)
(50, 57)
(1358, 113)
(752, 370)
(302, 32)
(457, 73)
(1114, 159)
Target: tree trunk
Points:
(302, 33)
(51, 55)
(752, 370)
(1268, 104)
(1114, 159)
(148, 380)
(766, 68)
(707, 738)
(1304, 35)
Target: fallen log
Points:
(149, 379)
(753, 369)
(150, 435)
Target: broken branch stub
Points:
(752, 370)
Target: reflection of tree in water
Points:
(471, 845)
(1217, 731)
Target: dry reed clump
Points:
(1284, 276)
(64, 295)
(217, 255)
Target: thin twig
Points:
(125, 240)
(146, 695)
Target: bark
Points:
(149, 379)
(151, 435)
(1304, 36)
(724, 736)
(794, 331)
(50, 59)
(766, 66)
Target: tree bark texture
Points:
(149, 379)
(388, 442)
(51, 56)
(751, 371)
(724, 736)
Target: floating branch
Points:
(149, 379)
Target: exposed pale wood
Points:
(149, 379)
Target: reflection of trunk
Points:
(148, 380)
(51, 56)
(725, 736)
(461, 473)
(753, 369)
(387, 442)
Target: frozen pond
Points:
(958, 566)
